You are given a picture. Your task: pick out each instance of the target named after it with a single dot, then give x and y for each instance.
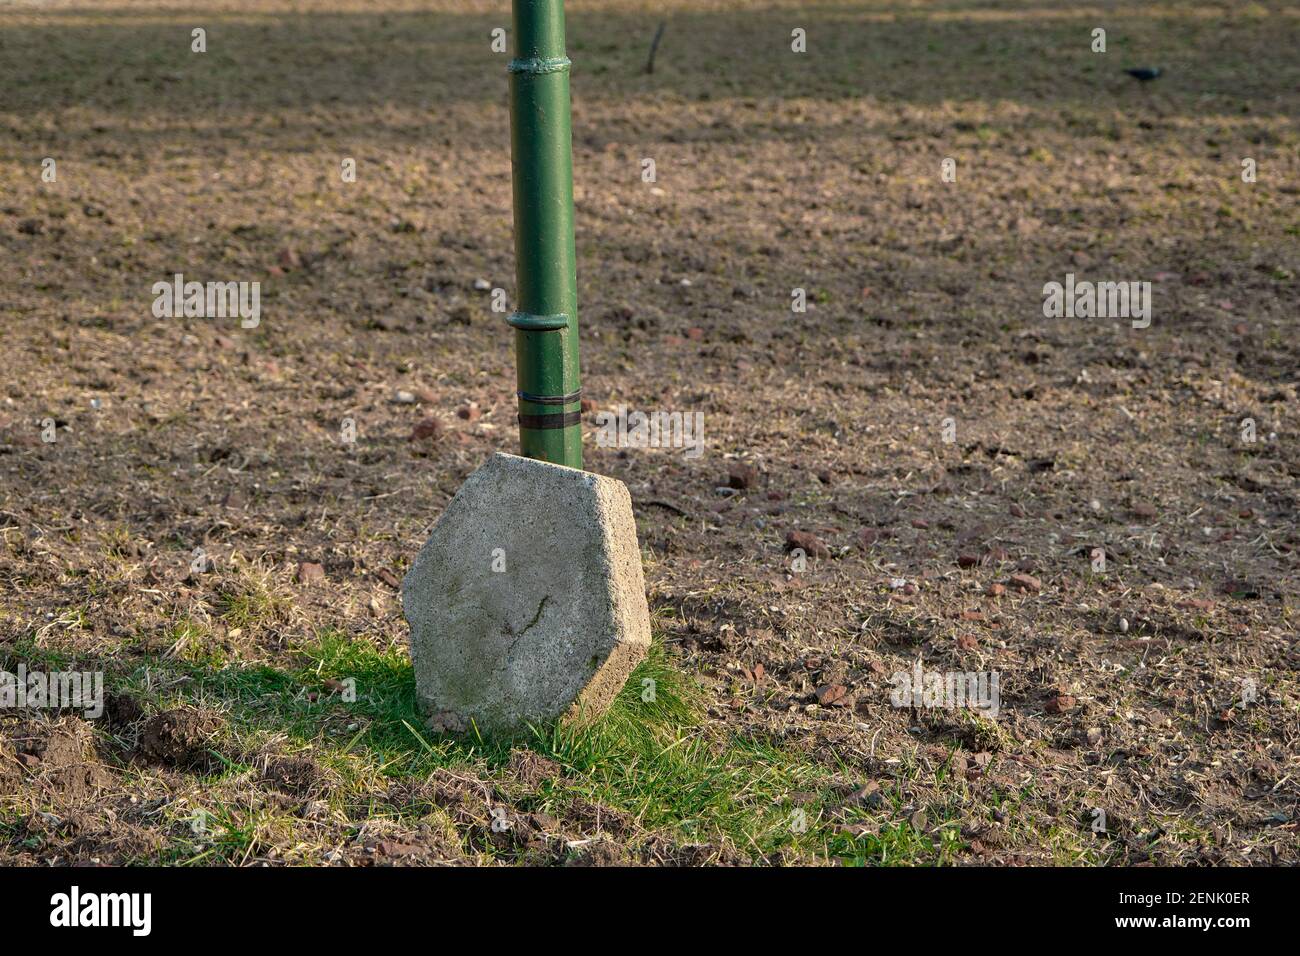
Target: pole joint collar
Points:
(537, 65)
(550, 399)
(538, 323)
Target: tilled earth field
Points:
(919, 467)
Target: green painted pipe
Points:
(546, 323)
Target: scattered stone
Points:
(967, 560)
(997, 590)
(310, 572)
(404, 398)
(1017, 511)
(482, 285)
(967, 642)
(521, 613)
(867, 537)
(812, 545)
(1059, 704)
(868, 795)
(469, 412)
(920, 523)
(1026, 582)
(427, 428)
(1240, 589)
(741, 476)
(833, 695)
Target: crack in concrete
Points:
(536, 617)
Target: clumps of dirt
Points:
(530, 770)
(485, 816)
(468, 800)
(598, 820)
(183, 738)
(296, 776)
(597, 853)
(90, 836)
(59, 757)
(663, 851)
(122, 711)
(445, 722)
(534, 839)
(425, 845)
(11, 774)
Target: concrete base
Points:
(527, 602)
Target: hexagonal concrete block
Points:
(527, 602)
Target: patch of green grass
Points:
(250, 600)
(191, 641)
(648, 756)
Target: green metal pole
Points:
(546, 324)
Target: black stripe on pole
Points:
(550, 421)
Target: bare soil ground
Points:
(1160, 690)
